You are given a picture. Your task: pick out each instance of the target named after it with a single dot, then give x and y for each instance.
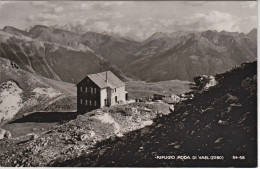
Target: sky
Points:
(136, 19)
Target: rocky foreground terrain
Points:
(218, 121)
(71, 139)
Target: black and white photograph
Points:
(128, 84)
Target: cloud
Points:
(99, 6)
(194, 3)
(49, 6)
(44, 5)
(249, 4)
(133, 19)
(43, 17)
(168, 22)
(39, 3)
(5, 3)
(213, 20)
(101, 26)
(59, 9)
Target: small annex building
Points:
(100, 90)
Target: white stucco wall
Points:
(120, 93)
(110, 95)
(103, 95)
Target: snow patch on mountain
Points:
(46, 92)
(10, 100)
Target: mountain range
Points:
(67, 55)
(193, 54)
(52, 53)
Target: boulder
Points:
(92, 134)
(2, 133)
(84, 137)
(171, 108)
(204, 82)
(7, 135)
(14, 65)
(134, 110)
(222, 122)
(33, 137)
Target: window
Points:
(91, 90)
(95, 103)
(95, 90)
(116, 99)
(80, 89)
(115, 89)
(80, 101)
(86, 102)
(86, 89)
(90, 102)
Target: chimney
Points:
(106, 78)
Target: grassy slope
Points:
(141, 89)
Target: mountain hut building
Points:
(100, 90)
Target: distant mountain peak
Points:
(158, 35)
(15, 31)
(69, 27)
(38, 27)
(253, 32)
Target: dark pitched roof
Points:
(100, 80)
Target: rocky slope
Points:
(24, 92)
(113, 48)
(110, 49)
(70, 140)
(252, 35)
(220, 121)
(54, 59)
(158, 43)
